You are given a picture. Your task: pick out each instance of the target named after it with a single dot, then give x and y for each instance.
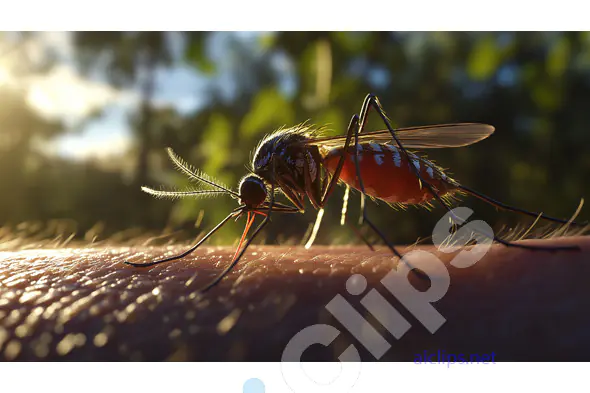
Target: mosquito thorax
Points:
(252, 191)
(289, 146)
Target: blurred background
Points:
(85, 118)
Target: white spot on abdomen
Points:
(359, 153)
(376, 147)
(397, 159)
(430, 172)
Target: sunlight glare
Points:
(63, 93)
(4, 76)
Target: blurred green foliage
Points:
(533, 87)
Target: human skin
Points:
(85, 304)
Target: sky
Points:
(67, 95)
(110, 134)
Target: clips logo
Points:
(397, 283)
(254, 385)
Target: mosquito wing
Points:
(425, 137)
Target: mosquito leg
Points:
(372, 101)
(365, 218)
(361, 236)
(344, 205)
(331, 184)
(320, 215)
(184, 254)
(315, 229)
(248, 242)
(239, 256)
(279, 207)
(352, 126)
(296, 200)
(503, 206)
(343, 219)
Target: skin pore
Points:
(84, 304)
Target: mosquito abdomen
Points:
(387, 175)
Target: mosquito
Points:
(300, 163)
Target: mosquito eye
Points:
(252, 191)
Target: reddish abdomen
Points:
(387, 174)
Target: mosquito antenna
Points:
(184, 254)
(185, 168)
(181, 194)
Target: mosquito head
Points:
(252, 191)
